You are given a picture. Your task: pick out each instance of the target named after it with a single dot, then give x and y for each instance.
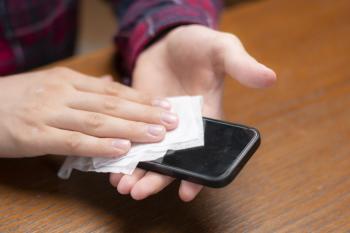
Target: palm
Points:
(176, 67)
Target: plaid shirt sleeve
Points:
(35, 33)
(142, 22)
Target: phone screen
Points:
(224, 144)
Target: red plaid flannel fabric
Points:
(37, 32)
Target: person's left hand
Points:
(190, 60)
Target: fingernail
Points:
(161, 103)
(156, 130)
(169, 118)
(121, 144)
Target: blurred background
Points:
(97, 26)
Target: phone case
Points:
(212, 181)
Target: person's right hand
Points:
(63, 112)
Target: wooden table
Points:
(299, 181)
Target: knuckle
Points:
(74, 142)
(94, 121)
(142, 98)
(135, 130)
(134, 127)
(111, 103)
(112, 89)
(153, 115)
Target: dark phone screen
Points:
(223, 144)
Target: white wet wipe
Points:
(188, 134)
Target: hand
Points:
(190, 60)
(59, 111)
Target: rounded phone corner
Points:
(211, 180)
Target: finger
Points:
(127, 182)
(114, 178)
(64, 142)
(94, 85)
(104, 126)
(150, 184)
(188, 191)
(243, 67)
(87, 83)
(90, 84)
(122, 108)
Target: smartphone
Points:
(227, 148)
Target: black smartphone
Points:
(227, 148)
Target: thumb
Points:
(243, 67)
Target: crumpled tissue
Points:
(188, 134)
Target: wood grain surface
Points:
(298, 181)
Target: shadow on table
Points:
(162, 212)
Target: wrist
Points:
(133, 39)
